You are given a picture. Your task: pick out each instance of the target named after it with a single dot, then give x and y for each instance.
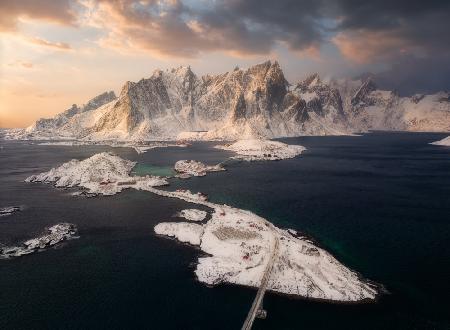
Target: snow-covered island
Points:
(443, 142)
(258, 149)
(103, 173)
(192, 214)
(239, 245)
(188, 168)
(8, 210)
(55, 234)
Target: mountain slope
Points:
(71, 120)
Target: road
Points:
(267, 272)
(262, 288)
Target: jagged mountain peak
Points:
(99, 100)
(312, 80)
(157, 73)
(369, 83)
(275, 69)
(126, 88)
(182, 70)
(264, 67)
(249, 102)
(366, 87)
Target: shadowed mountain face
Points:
(257, 102)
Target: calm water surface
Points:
(380, 203)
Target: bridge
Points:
(256, 308)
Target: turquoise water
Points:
(379, 203)
(148, 169)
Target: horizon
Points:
(55, 54)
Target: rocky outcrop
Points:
(8, 210)
(188, 168)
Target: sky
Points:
(55, 53)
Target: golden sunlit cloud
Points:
(367, 46)
(12, 11)
(21, 64)
(163, 32)
(46, 43)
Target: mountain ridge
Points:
(242, 103)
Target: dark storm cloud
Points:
(410, 75)
(365, 31)
(295, 22)
(385, 14)
(421, 26)
(410, 37)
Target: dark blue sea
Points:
(379, 202)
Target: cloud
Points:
(11, 11)
(172, 28)
(46, 43)
(387, 30)
(409, 75)
(14, 11)
(364, 31)
(372, 34)
(21, 64)
(371, 46)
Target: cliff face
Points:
(169, 102)
(256, 102)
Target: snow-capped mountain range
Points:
(256, 102)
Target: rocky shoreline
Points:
(55, 235)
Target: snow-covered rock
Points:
(368, 108)
(257, 149)
(443, 142)
(103, 173)
(183, 231)
(193, 214)
(55, 234)
(8, 210)
(66, 123)
(195, 168)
